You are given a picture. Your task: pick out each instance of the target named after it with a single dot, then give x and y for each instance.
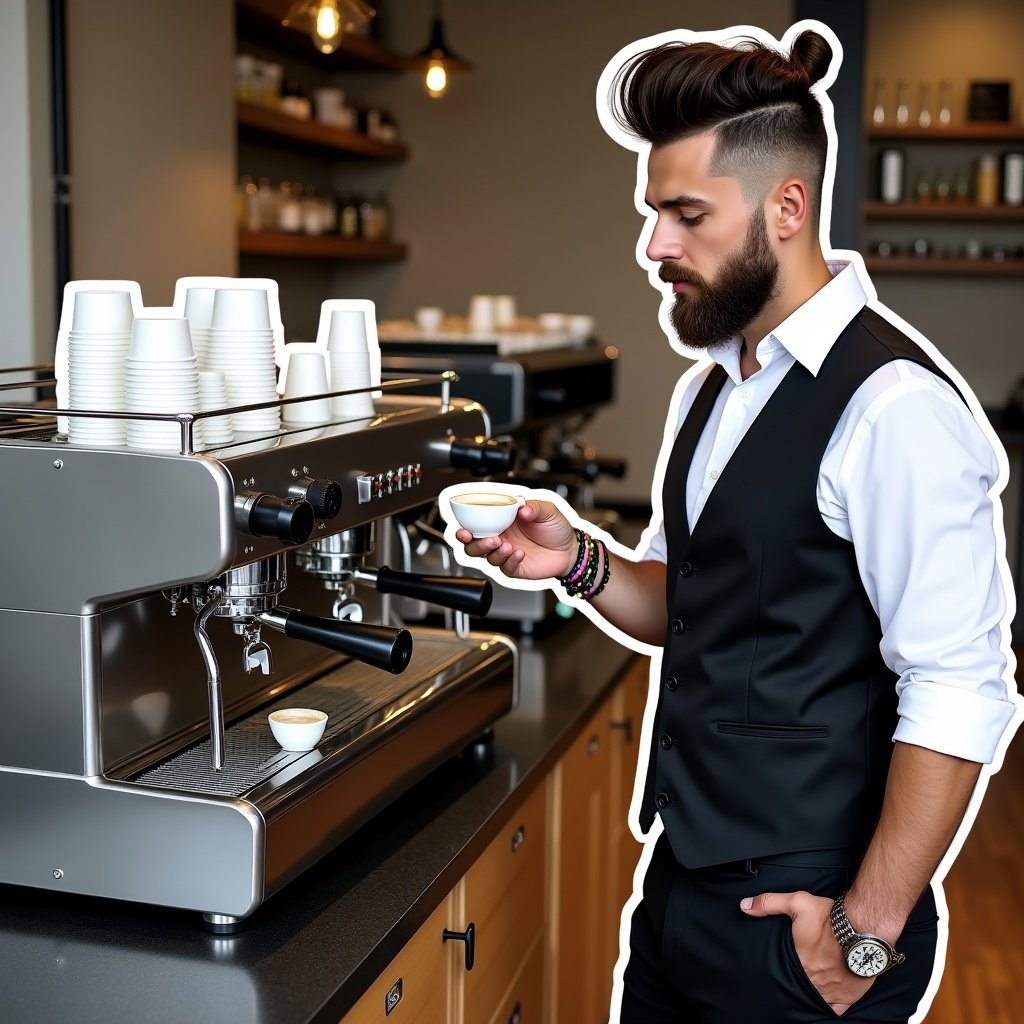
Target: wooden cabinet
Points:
(582, 782)
(627, 714)
(415, 987)
(543, 900)
(502, 895)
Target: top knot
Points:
(812, 55)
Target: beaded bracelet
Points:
(578, 564)
(579, 587)
(605, 575)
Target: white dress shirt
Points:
(908, 477)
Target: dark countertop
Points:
(312, 949)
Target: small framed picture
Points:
(989, 101)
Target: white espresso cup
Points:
(486, 513)
(297, 728)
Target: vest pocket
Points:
(773, 732)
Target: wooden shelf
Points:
(875, 210)
(947, 267)
(980, 131)
(259, 21)
(271, 243)
(261, 124)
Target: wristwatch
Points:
(866, 955)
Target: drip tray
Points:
(358, 700)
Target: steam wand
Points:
(215, 600)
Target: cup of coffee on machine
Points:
(297, 728)
(485, 513)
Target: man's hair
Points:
(756, 102)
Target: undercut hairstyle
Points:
(756, 101)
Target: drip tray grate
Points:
(349, 695)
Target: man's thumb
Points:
(765, 904)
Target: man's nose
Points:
(664, 244)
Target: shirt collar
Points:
(810, 331)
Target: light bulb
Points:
(328, 26)
(437, 78)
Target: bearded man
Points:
(826, 580)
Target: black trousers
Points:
(696, 958)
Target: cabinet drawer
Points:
(415, 984)
(525, 1000)
(503, 896)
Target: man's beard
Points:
(719, 310)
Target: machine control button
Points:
(364, 488)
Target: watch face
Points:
(867, 958)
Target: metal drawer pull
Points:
(516, 1015)
(518, 837)
(626, 725)
(469, 938)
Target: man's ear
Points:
(789, 208)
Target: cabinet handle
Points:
(517, 1015)
(518, 838)
(469, 938)
(592, 746)
(626, 725)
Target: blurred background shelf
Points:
(949, 267)
(270, 243)
(982, 131)
(936, 211)
(261, 124)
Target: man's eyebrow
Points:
(678, 201)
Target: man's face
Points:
(716, 254)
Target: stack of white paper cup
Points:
(199, 311)
(161, 375)
(305, 373)
(97, 344)
(349, 357)
(213, 395)
(482, 319)
(241, 346)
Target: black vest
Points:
(774, 726)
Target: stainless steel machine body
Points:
(114, 562)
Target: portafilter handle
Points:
(380, 646)
(460, 594)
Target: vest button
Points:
(666, 741)
(677, 626)
(663, 800)
(685, 569)
(671, 683)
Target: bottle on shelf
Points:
(987, 185)
(942, 191)
(902, 103)
(962, 189)
(945, 102)
(878, 103)
(289, 207)
(1013, 179)
(348, 216)
(369, 220)
(891, 176)
(294, 101)
(242, 195)
(923, 189)
(924, 105)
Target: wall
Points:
(514, 188)
(152, 140)
(26, 255)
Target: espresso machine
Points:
(155, 606)
(541, 401)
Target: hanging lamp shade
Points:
(437, 49)
(326, 21)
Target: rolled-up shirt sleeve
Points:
(919, 490)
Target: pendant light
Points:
(327, 21)
(437, 59)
